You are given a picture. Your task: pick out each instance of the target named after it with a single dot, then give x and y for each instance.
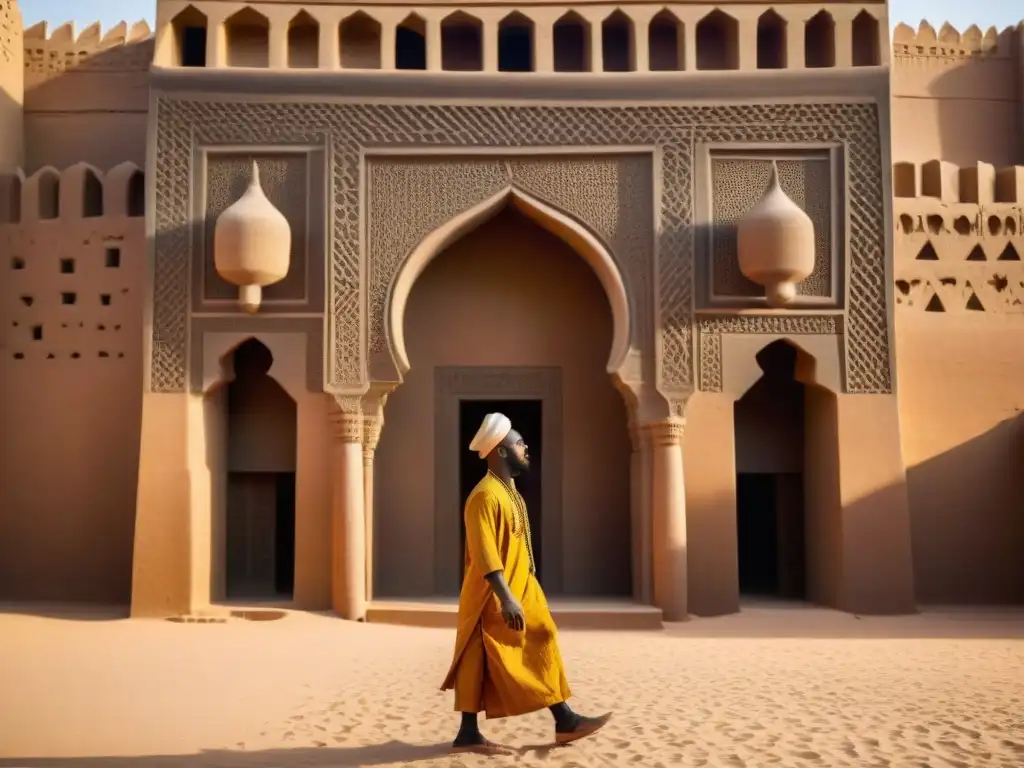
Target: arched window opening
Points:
(820, 41)
(718, 42)
(411, 44)
(92, 195)
(771, 41)
(303, 42)
(665, 43)
(49, 196)
(359, 41)
(137, 194)
(866, 49)
(571, 38)
(618, 46)
(515, 44)
(462, 43)
(189, 29)
(247, 34)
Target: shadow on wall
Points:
(978, 114)
(95, 111)
(967, 512)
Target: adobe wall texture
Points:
(956, 96)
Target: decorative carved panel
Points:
(674, 130)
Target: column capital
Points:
(371, 435)
(665, 431)
(346, 417)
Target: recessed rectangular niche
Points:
(37, 333)
(105, 299)
(735, 180)
(67, 266)
(112, 259)
(68, 298)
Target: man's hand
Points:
(512, 612)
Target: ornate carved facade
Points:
(412, 196)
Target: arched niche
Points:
(249, 466)
(787, 461)
(582, 241)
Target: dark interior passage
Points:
(770, 534)
(526, 419)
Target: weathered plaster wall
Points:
(70, 375)
(957, 96)
(960, 332)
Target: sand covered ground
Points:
(771, 686)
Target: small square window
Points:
(113, 259)
(17, 262)
(105, 299)
(68, 298)
(67, 266)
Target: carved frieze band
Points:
(349, 128)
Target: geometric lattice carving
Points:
(184, 124)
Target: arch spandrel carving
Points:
(578, 199)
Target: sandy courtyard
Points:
(771, 686)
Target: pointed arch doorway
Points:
(502, 294)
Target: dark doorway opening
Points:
(770, 519)
(770, 534)
(259, 524)
(526, 419)
(260, 535)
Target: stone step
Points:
(568, 613)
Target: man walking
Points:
(506, 660)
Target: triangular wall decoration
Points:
(1009, 253)
(974, 303)
(934, 304)
(977, 254)
(927, 253)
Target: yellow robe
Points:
(496, 669)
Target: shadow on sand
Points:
(391, 753)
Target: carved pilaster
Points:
(348, 522)
(372, 405)
(668, 517)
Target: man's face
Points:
(518, 453)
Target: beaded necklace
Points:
(520, 517)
